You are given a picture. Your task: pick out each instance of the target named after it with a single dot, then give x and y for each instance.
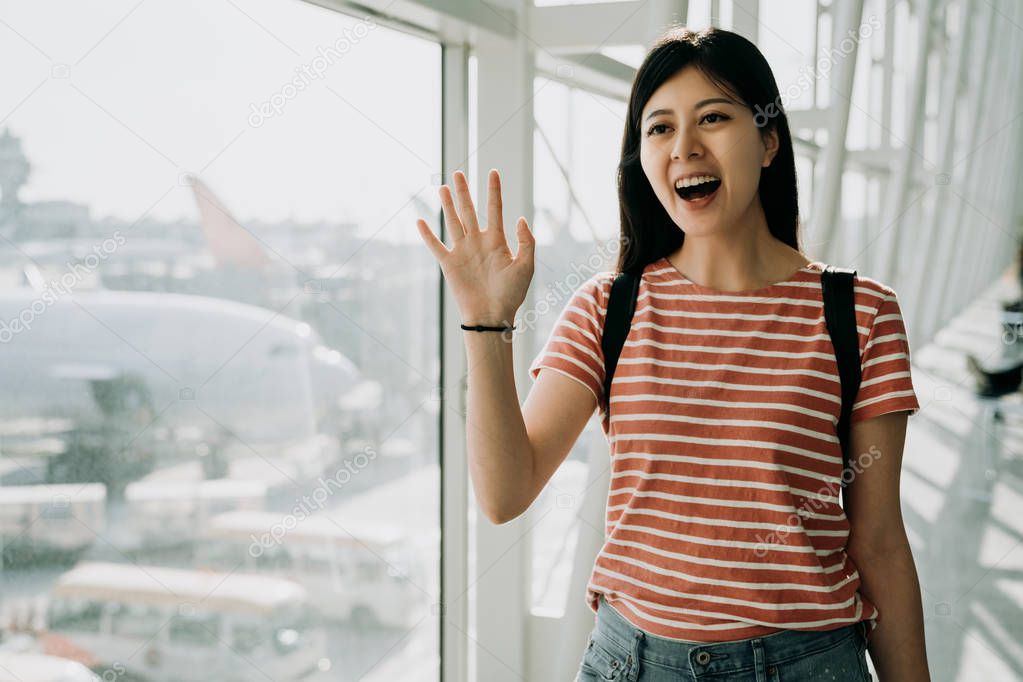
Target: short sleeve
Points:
(886, 383)
(573, 347)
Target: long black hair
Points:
(737, 67)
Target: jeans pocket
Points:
(842, 662)
(603, 661)
(864, 631)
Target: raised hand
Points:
(488, 282)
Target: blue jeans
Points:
(617, 651)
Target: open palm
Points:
(488, 282)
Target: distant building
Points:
(14, 170)
(55, 219)
(19, 221)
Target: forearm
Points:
(889, 581)
(499, 451)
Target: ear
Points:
(771, 147)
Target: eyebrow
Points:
(701, 103)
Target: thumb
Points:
(527, 243)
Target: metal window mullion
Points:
(827, 200)
(964, 260)
(454, 495)
(898, 198)
(888, 64)
(501, 579)
(1010, 163)
(1016, 210)
(970, 258)
(936, 241)
(980, 264)
(746, 19)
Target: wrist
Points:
(489, 320)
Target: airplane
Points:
(246, 379)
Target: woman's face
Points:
(691, 128)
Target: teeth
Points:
(689, 182)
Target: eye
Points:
(720, 116)
(717, 119)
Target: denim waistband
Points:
(713, 658)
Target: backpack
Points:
(839, 315)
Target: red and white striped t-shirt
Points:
(723, 517)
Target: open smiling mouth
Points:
(697, 192)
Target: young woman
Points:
(729, 552)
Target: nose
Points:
(686, 143)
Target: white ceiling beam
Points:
(459, 21)
(594, 72)
(808, 118)
(587, 28)
(880, 160)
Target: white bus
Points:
(171, 625)
(37, 520)
(167, 513)
(361, 572)
(26, 667)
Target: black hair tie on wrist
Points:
(482, 328)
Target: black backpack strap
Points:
(621, 304)
(837, 289)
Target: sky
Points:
(119, 99)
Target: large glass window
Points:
(786, 30)
(575, 149)
(218, 328)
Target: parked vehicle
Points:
(164, 624)
(361, 572)
(43, 522)
(26, 667)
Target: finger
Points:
(495, 221)
(451, 220)
(527, 244)
(435, 245)
(467, 210)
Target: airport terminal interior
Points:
(233, 432)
